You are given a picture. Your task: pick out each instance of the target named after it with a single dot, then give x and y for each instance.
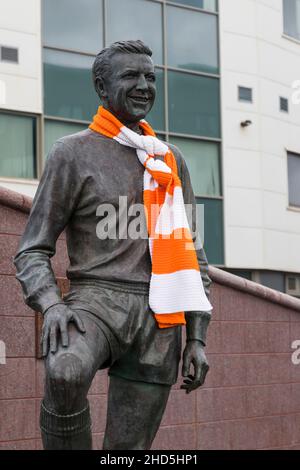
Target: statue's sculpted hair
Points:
(101, 67)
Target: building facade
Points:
(260, 56)
(225, 77)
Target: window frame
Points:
(165, 68)
(285, 34)
(286, 100)
(241, 100)
(290, 206)
(37, 145)
(219, 150)
(200, 75)
(204, 13)
(67, 49)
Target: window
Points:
(202, 160)
(18, 146)
(9, 54)
(284, 104)
(291, 18)
(73, 25)
(192, 100)
(54, 130)
(187, 108)
(157, 114)
(294, 178)
(194, 104)
(199, 51)
(73, 35)
(69, 91)
(143, 21)
(292, 284)
(213, 229)
(205, 4)
(245, 94)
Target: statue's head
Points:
(124, 79)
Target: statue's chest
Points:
(119, 175)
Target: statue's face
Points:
(129, 92)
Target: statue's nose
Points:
(142, 84)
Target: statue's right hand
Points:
(55, 324)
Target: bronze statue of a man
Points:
(105, 320)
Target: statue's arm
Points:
(51, 209)
(196, 332)
(196, 322)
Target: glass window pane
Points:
(294, 178)
(54, 130)
(210, 5)
(245, 94)
(202, 159)
(291, 15)
(156, 117)
(68, 86)
(194, 104)
(9, 54)
(284, 104)
(213, 229)
(17, 137)
(199, 50)
(73, 24)
(136, 19)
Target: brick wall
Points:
(251, 398)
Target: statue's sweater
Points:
(83, 172)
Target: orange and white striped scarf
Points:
(176, 285)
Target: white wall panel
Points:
(255, 54)
(20, 27)
(20, 15)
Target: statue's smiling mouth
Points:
(140, 99)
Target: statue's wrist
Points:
(203, 344)
(196, 326)
(51, 306)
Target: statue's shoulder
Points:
(80, 145)
(176, 152)
(81, 139)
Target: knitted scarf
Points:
(175, 285)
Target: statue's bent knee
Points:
(68, 379)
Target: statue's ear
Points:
(100, 88)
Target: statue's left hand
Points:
(194, 354)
